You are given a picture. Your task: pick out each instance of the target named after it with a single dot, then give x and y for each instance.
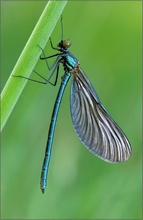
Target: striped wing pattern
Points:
(94, 126)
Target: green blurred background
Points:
(106, 38)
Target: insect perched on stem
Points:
(94, 126)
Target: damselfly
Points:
(94, 126)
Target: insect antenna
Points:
(62, 29)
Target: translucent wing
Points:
(94, 126)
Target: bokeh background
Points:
(106, 38)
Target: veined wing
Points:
(94, 126)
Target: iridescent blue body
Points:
(45, 167)
(69, 62)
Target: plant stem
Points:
(29, 57)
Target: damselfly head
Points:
(64, 44)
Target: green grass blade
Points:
(29, 57)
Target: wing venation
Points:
(94, 126)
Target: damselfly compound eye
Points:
(66, 43)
